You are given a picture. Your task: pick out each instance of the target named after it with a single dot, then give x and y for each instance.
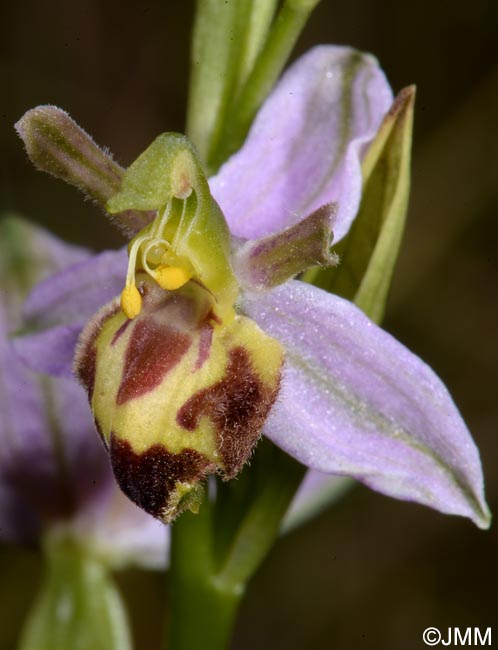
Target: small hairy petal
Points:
(265, 263)
(305, 146)
(355, 402)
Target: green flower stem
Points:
(206, 585)
(78, 605)
(277, 477)
(284, 33)
(261, 16)
(202, 612)
(238, 52)
(217, 47)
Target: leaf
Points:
(369, 252)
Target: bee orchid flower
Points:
(213, 341)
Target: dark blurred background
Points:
(370, 572)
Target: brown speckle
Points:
(86, 353)
(149, 478)
(153, 350)
(238, 406)
(119, 332)
(205, 342)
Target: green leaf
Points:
(369, 252)
(78, 606)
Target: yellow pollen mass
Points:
(131, 301)
(171, 277)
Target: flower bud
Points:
(176, 396)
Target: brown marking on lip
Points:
(213, 317)
(205, 342)
(86, 369)
(153, 350)
(149, 479)
(119, 332)
(238, 406)
(86, 354)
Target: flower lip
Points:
(175, 395)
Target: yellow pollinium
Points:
(171, 277)
(131, 301)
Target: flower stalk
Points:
(239, 50)
(288, 25)
(216, 552)
(202, 611)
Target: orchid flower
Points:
(343, 397)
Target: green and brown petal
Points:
(175, 395)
